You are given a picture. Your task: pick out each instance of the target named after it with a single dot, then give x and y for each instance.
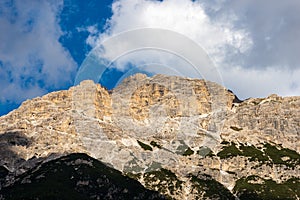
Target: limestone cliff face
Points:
(187, 126)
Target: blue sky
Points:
(255, 44)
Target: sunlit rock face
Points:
(170, 133)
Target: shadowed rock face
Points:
(186, 126)
(8, 141)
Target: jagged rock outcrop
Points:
(187, 126)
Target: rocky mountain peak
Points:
(147, 125)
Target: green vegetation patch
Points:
(188, 152)
(225, 142)
(145, 146)
(254, 187)
(229, 151)
(209, 188)
(269, 154)
(277, 155)
(76, 176)
(236, 128)
(155, 144)
(253, 153)
(164, 181)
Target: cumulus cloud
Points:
(182, 16)
(253, 43)
(32, 61)
(274, 28)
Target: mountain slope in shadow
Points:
(76, 176)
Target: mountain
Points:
(76, 176)
(185, 138)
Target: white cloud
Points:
(183, 16)
(231, 36)
(273, 26)
(261, 82)
(32, 59)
